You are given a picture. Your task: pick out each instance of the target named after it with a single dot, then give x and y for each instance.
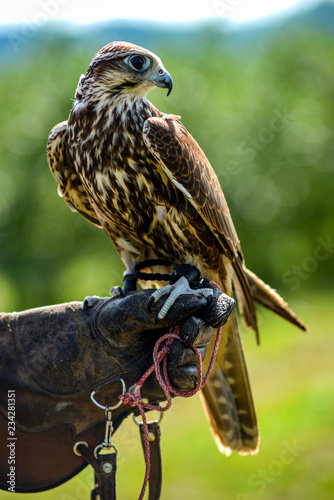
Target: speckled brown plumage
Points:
(139, 174)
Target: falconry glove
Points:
(54, 357)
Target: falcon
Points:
(137, 173)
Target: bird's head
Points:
(123, 68)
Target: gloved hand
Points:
(197, 331)
(122, 324)
(53, 357)
(56, 355)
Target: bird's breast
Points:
(131, 194)
(128, 189)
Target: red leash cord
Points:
(160, 356)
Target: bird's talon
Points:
(209, 298)
(116, 291)
(163, 312)
(180, 287)
(150, 302)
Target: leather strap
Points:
(105, 471)
(155, 480)
(105, 466)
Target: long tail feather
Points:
(227, 397)
(265, 295)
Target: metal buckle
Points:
(108, 408)
(139, 423)
(105, 447)
(75, 447)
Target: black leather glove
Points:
(126, 321)
(55, 356)
(52, 358)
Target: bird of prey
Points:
(138, 173)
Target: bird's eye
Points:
(138, 62)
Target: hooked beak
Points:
(164, 81)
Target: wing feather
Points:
(187, 166)
(63, 170)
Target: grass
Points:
(293, 387)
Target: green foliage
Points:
(261, 113)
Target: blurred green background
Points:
(260, 103)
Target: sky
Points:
(81, 11)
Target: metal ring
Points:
(105, 407)
(100, 446)
(75, 447)
(136, 421)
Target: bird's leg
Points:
(182, 277)
(129, 281)
(129, 285)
